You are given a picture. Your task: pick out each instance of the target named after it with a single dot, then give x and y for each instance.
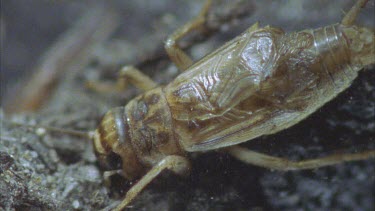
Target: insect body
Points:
(261, 82)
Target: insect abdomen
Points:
(290, 76)
(336, 69)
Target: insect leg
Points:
(175, 53)
(350, 17)
(177, 164)
(127, 74)
(276, 163)
(135, 77)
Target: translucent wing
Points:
(230, 97)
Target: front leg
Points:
(178, 164)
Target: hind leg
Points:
(276, 163)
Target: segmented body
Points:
(259, 83)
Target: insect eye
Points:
(114, 161)
(111, 161)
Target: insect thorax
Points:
(151, 128)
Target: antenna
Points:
(42, 129)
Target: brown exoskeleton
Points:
(259, 83)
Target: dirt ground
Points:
(49, 171)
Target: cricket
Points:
(259, 83)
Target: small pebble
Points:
(40, 131)
(76, 204)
